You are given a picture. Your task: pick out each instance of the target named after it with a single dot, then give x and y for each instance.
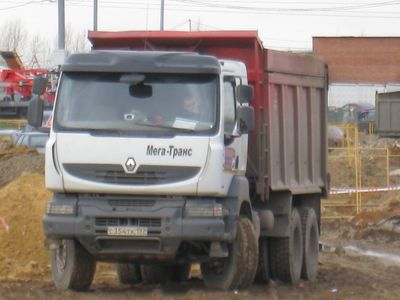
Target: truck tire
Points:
(252, 262)
(72, 266)
(181, 272)
(239, 268)
(129, 273)
(156, 274)
(311, 244)
(263, 261)
(286, 253)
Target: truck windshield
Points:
(137, 102)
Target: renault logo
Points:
(130, 165)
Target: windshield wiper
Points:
(165, 127)
(98, 131)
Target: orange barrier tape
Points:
(337, 191)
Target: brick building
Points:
(359, 66)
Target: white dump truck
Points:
(173, 148)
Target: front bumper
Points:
(163, 217)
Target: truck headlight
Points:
(60, 209)
(203, 208)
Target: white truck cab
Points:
(110, 140)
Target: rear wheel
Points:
(72, 266)
(239, 268)
(286, 254)
(311, 244)
(129, 273)
(263, 261)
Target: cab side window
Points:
(229, 106)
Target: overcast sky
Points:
(285, 24)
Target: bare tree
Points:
(40, 52)
(76, 41)
(13, 36)
(37, 51)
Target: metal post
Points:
(95, 8)
(387, 167)
(162, 16)
(61, 25)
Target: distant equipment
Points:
(16, 85)
(387, 114)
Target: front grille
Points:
(142, 222)
(145, 175)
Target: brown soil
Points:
(24, 264)
(15, 161)
(342, 275)
(7, 148)
(15, 166)
(22, 205)
(369, 218)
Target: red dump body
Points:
(288, 149)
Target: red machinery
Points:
(16, 83)
(20, 82)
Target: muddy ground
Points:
(343, 274)
(359, 258)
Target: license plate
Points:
(127, 231)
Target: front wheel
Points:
(72, 266)
(239, 268)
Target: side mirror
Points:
(244, 93)
(39, 85)
(35, 112)
(245, 117)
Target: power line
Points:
(203, 6)
(296, 9)
(206, 7)
(197, 3)
(23, 4)
(169, 8)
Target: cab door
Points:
(235, 152)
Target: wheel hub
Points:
(61, 256)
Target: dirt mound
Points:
(389, 206)
(13, 151)
(18, 160)
(22, 205)
(5, 143)
(8, 149)
(370, 218)
(20, 164)
(390, 201)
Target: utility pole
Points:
(60, 54)
(61, 25)
(162, 16)
(95, 8)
